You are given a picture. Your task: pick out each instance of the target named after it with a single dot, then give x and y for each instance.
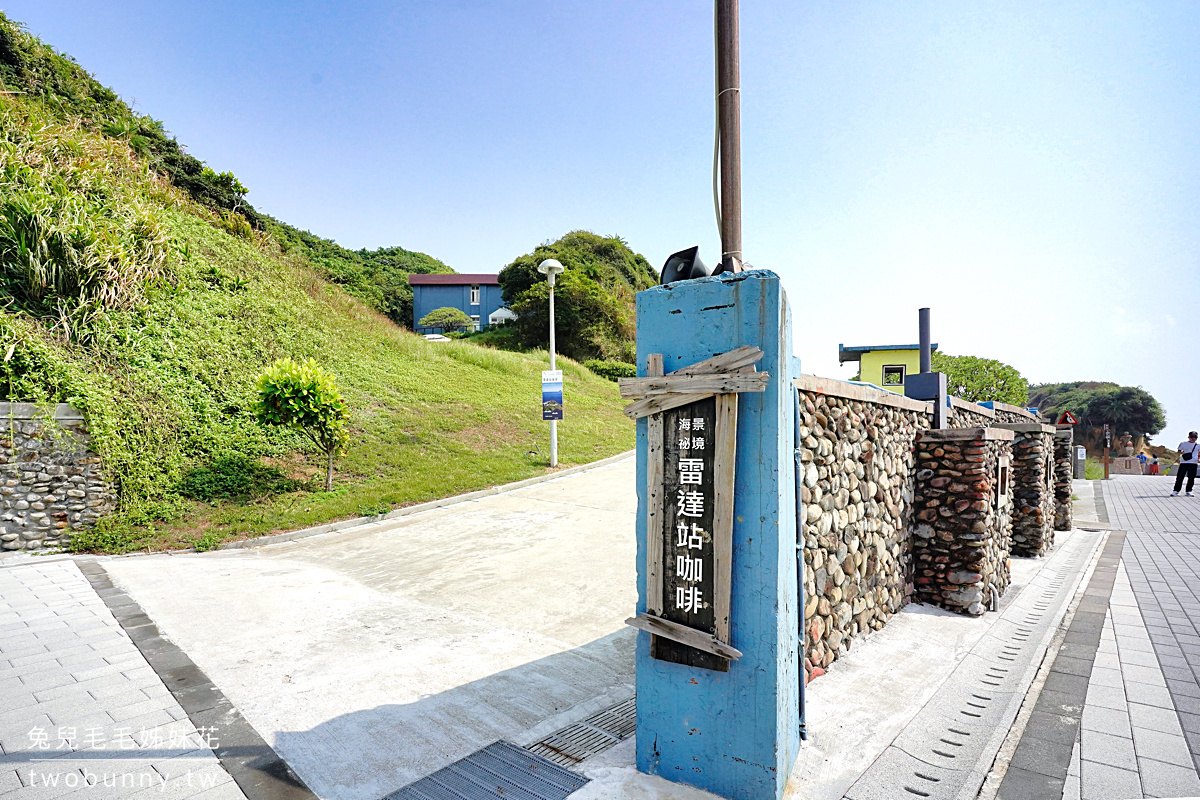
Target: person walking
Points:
(1153, 466)
(1188, 452)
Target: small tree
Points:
(978, 379)
(305, 398)
(446, 318)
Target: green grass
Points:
(165, 371)
(428, 420)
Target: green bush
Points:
(447, 319)
(979, 379)
(593, 298)
(234, 477)
(611, 369)
(306, 399)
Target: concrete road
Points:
(371, 658)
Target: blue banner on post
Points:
(552, 394)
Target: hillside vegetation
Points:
(1127, 409)
(137, 290)
(594, 296)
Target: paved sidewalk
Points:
(1139, 735)
(1163, 561)
(82, 714)
(1131, 743)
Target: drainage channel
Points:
(503, 771)
(946, 749)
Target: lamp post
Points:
(550, 268)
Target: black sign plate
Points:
(689, 500)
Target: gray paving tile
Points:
(1153, 718)
(1104, 782)
(1103, 748)
(1148, 695)
(1101, 676)
(1137, 674)
(1169, 747)
(1107, 697)
(1168, 780)
(1106, 720)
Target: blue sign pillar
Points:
(733, 733)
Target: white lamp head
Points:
(550, 267)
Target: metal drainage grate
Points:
(594, 735)
(500, 771)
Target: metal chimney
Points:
(926, 357)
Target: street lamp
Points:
(550, 268)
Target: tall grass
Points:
(81, 229)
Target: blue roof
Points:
(855, 353)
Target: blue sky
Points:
(1028, 170)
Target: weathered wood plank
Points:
(662, 402)
(724, 478)
(654, 500)
(725, 362)
(684, 635)
(725, 383)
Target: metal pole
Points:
(1107, 445)
(926, 357)
(553, 422)
(729, 105)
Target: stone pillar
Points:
(1063, 470)
(733, 733)
(1033, 488)
(963, 526)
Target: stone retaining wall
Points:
(1033, 488)
(856, 453)
(52, 482)
(962, 526)
(1013, 414)
(857, 448)
(969, 415)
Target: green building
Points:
(884, 365)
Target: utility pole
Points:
(729, 119)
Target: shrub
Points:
(611, 369)
(234, 477)
(593, 298)
(447, 319)
(305, 397)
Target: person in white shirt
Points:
(1189, 453)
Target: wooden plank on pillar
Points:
(726, 362)
(660, 403)
(724, 479)
(722, 383)
(684, 635)
(654, 499)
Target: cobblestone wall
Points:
(1063, 473)
(52, 483)
(962, 528)
(968, 415)
(857, 448)
(1033, 488)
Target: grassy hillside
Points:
(127, 294)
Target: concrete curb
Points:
(346, 524)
